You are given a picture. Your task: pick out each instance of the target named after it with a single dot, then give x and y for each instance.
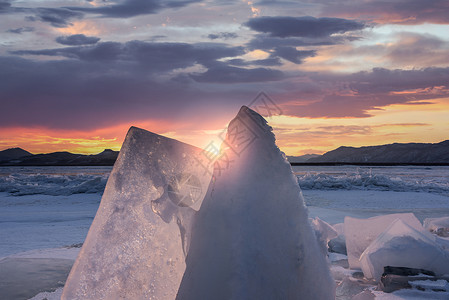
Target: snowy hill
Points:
(391, 153)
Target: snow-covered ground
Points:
(45, 212)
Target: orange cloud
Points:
(85, 27)
(435, 90)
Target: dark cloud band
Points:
(132, 8)
(77, 39)
(302, 26)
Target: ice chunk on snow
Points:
(361, 232)
(401, 245)
(324, 233)
(134, 248)
(251, 238)
(338, 244)
(439, 226)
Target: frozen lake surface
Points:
(53, 207)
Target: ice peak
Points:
(246, 112)
(252, 119)
(248, 130)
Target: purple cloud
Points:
(57, 17)
(105, 83)
(293, 55)
(4, 5)
(222, 35)
(399, 11)
(77, 40)
(225, 74)
(20, 30)
(310, 27)
(354, 95)
(144, 56)
(132, 8)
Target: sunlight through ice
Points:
(251, 238)
(248, 239)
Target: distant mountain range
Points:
(302, 158)
(13, 153)
(416, 153)
(20, 157)
(407, 153)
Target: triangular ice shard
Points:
(251, 238)
(135, 246)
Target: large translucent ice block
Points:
(361, 232)
(401, 245)
(251, 238)
(135, 246)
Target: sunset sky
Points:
(75, 75)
